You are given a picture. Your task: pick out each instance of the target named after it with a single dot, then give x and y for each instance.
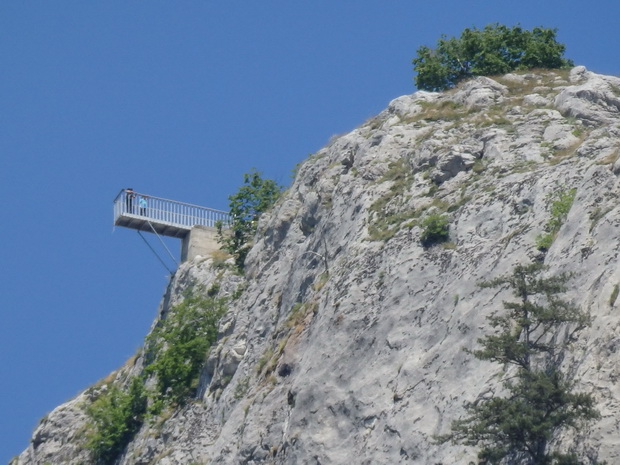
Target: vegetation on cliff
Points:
(176, 350)
(179, 346)
(496, 49)
(560, 207)
(115, 416)
(487, 166)
(254, 197)
(540, 399)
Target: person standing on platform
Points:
(129, 196)
(142, 204)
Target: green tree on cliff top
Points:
(496, 49)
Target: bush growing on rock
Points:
(560, 207)
(435, 230)
(176, 351)
(179, 346)
(115, 416)
(496, 49)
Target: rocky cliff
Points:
(344, 342)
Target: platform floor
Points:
(141, 223)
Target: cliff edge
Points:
(343, 342)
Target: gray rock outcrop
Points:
(345, 341)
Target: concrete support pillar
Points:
(201, 240)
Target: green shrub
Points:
(496, 49)
(242, 387)
(179, 346)
(114, 418)
(435, 229)
(176, 352)
(560, 207)
(544, 241)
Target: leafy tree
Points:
(496, 49)
(256, 196)
(540, 400)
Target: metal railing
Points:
(158, 210)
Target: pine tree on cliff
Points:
(539, 399)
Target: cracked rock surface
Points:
(345, 343)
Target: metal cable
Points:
(162, 243)
(156, 254)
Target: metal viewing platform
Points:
(162, 216)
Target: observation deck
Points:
(194, 225)
(165, 217)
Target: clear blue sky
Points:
(179, 99)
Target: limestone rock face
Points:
(480, 92)
(56, 438)
(344, 342)
(594, 98)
